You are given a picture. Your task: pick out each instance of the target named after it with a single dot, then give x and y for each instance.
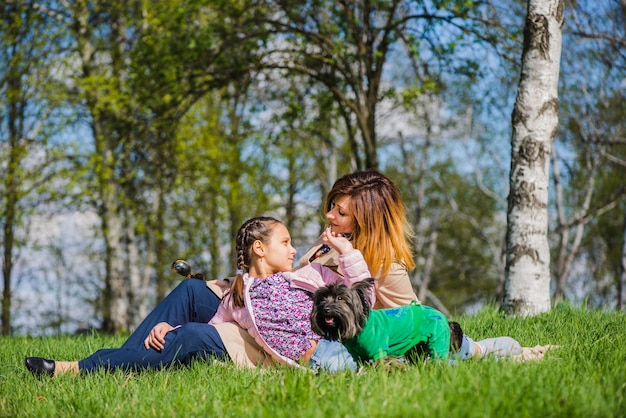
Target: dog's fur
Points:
(340, 312)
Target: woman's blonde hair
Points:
(381, 229)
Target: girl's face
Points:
(278, 253)
(340, 215)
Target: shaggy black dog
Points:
(413, 331)
(340, 312)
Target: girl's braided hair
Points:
(255, 229)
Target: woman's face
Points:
(340, 215)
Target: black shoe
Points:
(40, 366)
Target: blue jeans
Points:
(332, 357)
(191, 304)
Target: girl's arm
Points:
(315, 275)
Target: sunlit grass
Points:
(585, 377)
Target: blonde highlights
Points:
(381, 229)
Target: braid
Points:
(252, 230)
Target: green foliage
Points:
(186, 48)
(584, 377)
(222, 165)
(468, 233)
(206, 112)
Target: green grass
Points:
(585, 377)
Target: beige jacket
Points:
(394, 290)
(241, 346)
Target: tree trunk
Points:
(109, 129)
(115, 304)
(621, 297)
(428, 266)
(534, 122)
(138, 270)
(11, 184)
(11, 179)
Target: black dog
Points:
(340, 312)
(344, 313)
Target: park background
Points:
(134, 133)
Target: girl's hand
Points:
(338, 242)
(156, 338)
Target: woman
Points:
(364, 204)
(367, 206)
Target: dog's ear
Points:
(317, 314)
(363, 290)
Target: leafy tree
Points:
(306, 139)
(346, 47)
(29, 108)
(137, 68)
(223, 170)
(588, 158)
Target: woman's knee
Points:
(199, 336)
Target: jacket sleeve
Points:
(354, 268)
(315, 275)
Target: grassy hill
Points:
(585, 377)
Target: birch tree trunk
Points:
(534, 122)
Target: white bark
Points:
(534, 120)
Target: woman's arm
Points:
(395, 289)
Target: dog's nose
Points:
(326, 310)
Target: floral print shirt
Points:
(284, 325)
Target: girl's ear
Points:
(258, 248)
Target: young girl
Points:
(269, 301)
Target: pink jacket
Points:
(309, 278)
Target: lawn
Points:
(585, 377)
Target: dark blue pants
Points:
(191, 304)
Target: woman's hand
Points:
(223, 284)
(156, 338)
(338, 242)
